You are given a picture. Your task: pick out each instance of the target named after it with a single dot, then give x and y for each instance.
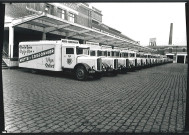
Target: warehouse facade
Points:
(178, 53)
(53, 21)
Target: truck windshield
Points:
(132, 55)
(99, 53)
(104, 53)
(117, 54)
(83, 51)
(113, 53)
(92, 53)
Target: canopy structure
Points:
(47, 23)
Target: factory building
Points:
(54, 21)
(178, 53)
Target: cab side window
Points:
(69, 50)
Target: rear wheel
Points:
(81, 73)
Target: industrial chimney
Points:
(171, 34)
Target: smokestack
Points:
(171, 34)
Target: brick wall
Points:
(16, 10)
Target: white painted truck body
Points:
(121, 61)
(148, 58)
(40, 55)
(131, 58)
(105, 59)
(139, 59)
(57, 56)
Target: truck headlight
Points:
(111, 66)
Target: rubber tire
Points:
(81, 73)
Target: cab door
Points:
(68, 57)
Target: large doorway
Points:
(170, 56)
(180, 59)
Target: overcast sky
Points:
(142, 21)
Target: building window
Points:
(71, 17)
(61, 13)
(170, 50)
(184, 49)
(49, 9)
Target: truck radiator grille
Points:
(127, 62)
(141, 62)
(115, 63)
(99, 64)
(135, 62)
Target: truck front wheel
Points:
(81, 73)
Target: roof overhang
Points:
(47, 23)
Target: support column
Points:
(44, 37)
(67, 34)
(11, 41)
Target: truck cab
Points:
(139, 60)
(125, 54)
(144, 60)
(122, 64)
(132, 59)
(154, 61)
(109, 65)
(148, 59)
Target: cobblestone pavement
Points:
(148, 100)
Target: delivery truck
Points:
(60, 55)
(110, 65)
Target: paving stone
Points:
(148, 100)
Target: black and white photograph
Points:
(94, 67)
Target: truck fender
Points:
(87, 67)
(105, 65)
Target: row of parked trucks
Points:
(84, 59)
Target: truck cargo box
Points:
(45, 55)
